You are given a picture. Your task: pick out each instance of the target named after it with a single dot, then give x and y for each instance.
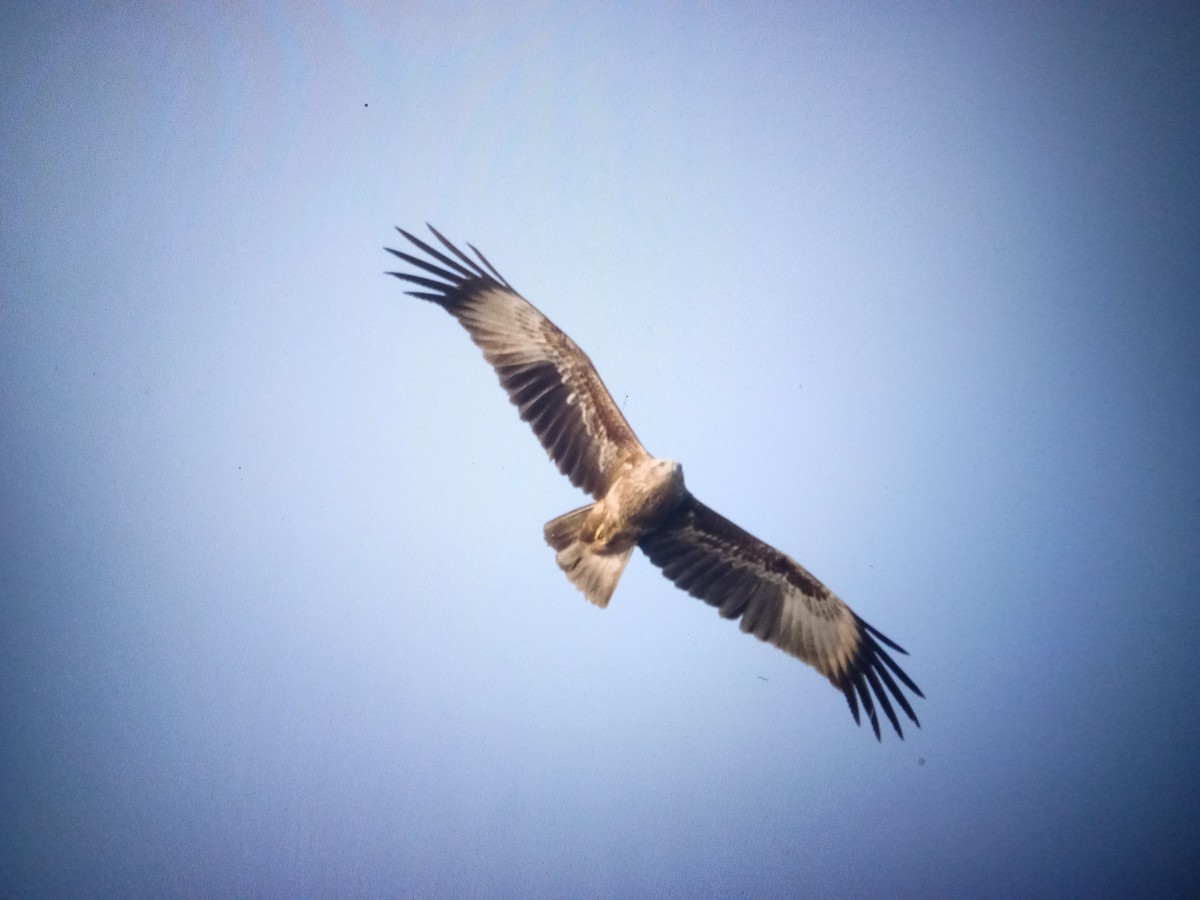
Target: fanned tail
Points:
(593, 572)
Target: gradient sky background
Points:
(912, 293)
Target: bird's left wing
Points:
(549, 379)
(780, 601)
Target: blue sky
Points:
(911, 291)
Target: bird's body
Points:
(641, 501)
(593, 543)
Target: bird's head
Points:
(669, 468)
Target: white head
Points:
(669, 468)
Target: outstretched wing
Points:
(549, 379)
(781, 602)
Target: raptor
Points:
(641, 501)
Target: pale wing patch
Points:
(781, 602)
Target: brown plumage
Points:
(642, 501)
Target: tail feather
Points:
(561, 532)
(595, 573)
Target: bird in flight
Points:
(641, 501)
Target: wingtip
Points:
(851, 701)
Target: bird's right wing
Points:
(549, 379)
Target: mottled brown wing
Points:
(780, 601)
(549, 379)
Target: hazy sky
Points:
(912, 291)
